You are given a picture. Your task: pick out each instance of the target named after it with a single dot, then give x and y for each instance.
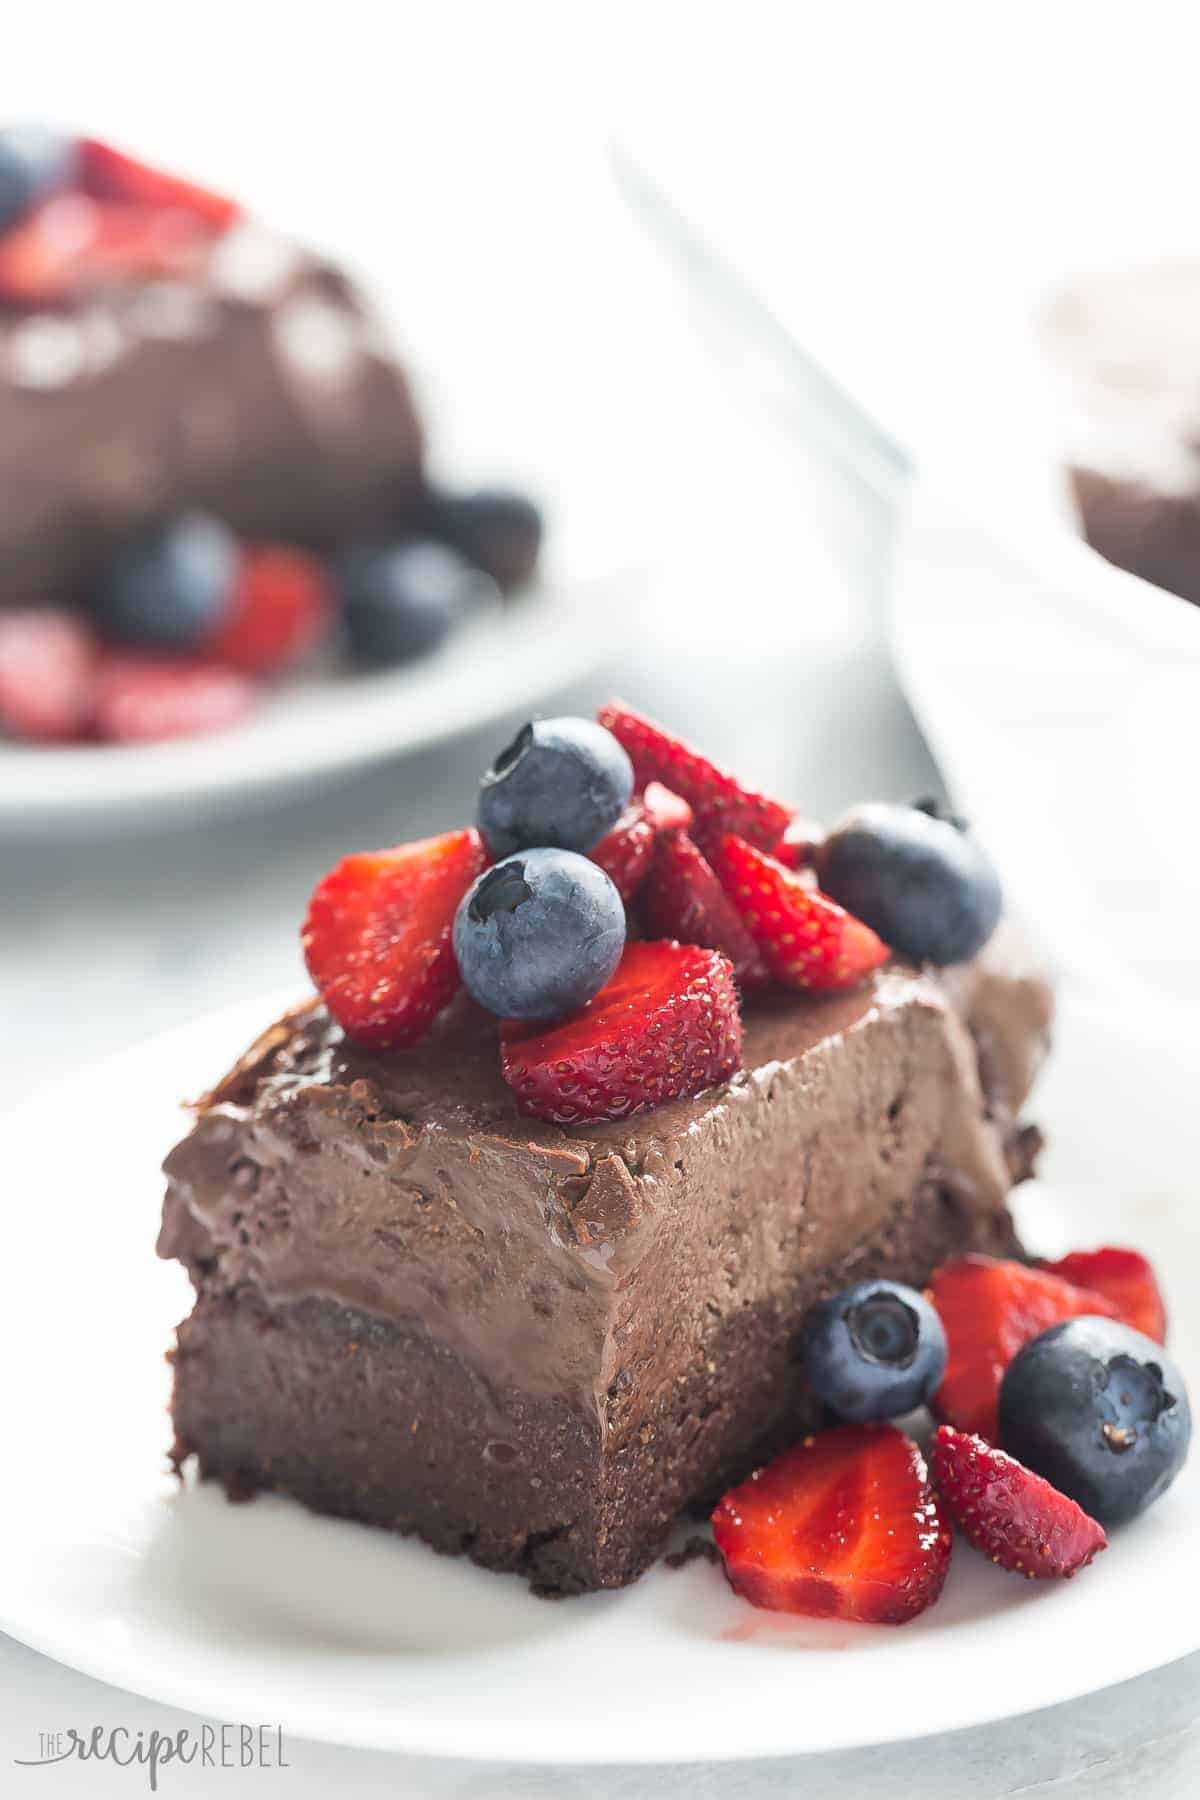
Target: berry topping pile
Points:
(618, 920)
(1074, 1422)
(182, 611)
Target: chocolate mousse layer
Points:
(537, 1345)
(261, 390)
(1128, 347)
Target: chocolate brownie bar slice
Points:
(536, 1346)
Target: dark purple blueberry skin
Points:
(874, 1351)
(1101, 1411)
(498, 529)
(35, 162)
(401, 601)
(563, 782)
(168, 588)
(923, 883)
(537, 935)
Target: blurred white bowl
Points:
(1061, 698)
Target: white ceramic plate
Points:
(318, 728)
(264, 1612)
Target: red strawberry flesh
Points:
(989, 1308)
(1126, 1280)
(1014, 1516)
(665, 1027)
(109, 174)
(74, 243)
(280, 608)
(683, 899)
(666, 811)
(144, 699)
(377, 938)
(720, 803)
(806, 939)
(844, 1526)
(627, 851)
(47, 665)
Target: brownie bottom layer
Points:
(365, 1419)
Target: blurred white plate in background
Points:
(319, 727)
(340, 1632)
(510, 288)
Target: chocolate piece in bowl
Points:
(1128, 348)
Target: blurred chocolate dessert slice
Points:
(161, 352)
(1128, 347)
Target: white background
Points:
(902, 181)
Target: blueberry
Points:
(35, 162)
(538, 934)
(167, 589)
(1101, 1411)
(563, 782)
(874, 1351)
(919, 880)
(497, 529)
(400, 601)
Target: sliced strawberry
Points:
(807, 939)
(797, 848)
(720, 803)
(108, 174)
(666, 1026)
(989, 1309)
(666, 811)
(280, 608)
(377, 936)
(47, 663)
(1008, 1512)
(72, 243)
(141, 699)
(845, 1526)
(626, 853)
(1125, 1278)
(683, 899)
